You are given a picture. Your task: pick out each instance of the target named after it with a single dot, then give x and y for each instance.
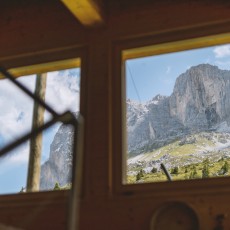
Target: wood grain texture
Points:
(30, 28)
(45, 210)
(89, 12)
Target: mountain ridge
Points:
(199, 102)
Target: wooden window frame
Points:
(142, 47)
(47, 62)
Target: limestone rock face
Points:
(201, 96)
(59, 165)
(200, 101)
(149, 130)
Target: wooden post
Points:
(33, 177)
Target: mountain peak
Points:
(156, 99)
(204, 66)
(207, 70)
(199, 102)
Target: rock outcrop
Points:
(201, 96)
(58, 168)
(200, 101)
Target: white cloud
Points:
(62, 93)
(168, 70)
(224, 65)
(13, 102)
(17, 157)
(20, 155)
(222, 51)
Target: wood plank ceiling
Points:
(94, 13)
(88, 12)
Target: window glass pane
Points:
(62, 94)
(177, 113)
(15, 120)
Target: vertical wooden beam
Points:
(33, 178)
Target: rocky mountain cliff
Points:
(200, 101)
(58, 167)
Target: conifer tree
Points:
(138, 176)
(186, 170)
(175, 170)
(22, 190)
(205, 171)
(57, 186)
(193, 173)
(154, 170)
(141, 173)
(225, 167)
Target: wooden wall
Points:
(36, 31)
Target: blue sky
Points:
(157, 74)
(62, 93)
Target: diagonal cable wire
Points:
(133, 83)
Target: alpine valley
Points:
(188, 131)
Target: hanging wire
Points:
(134, 84)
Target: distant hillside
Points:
(189, 150)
